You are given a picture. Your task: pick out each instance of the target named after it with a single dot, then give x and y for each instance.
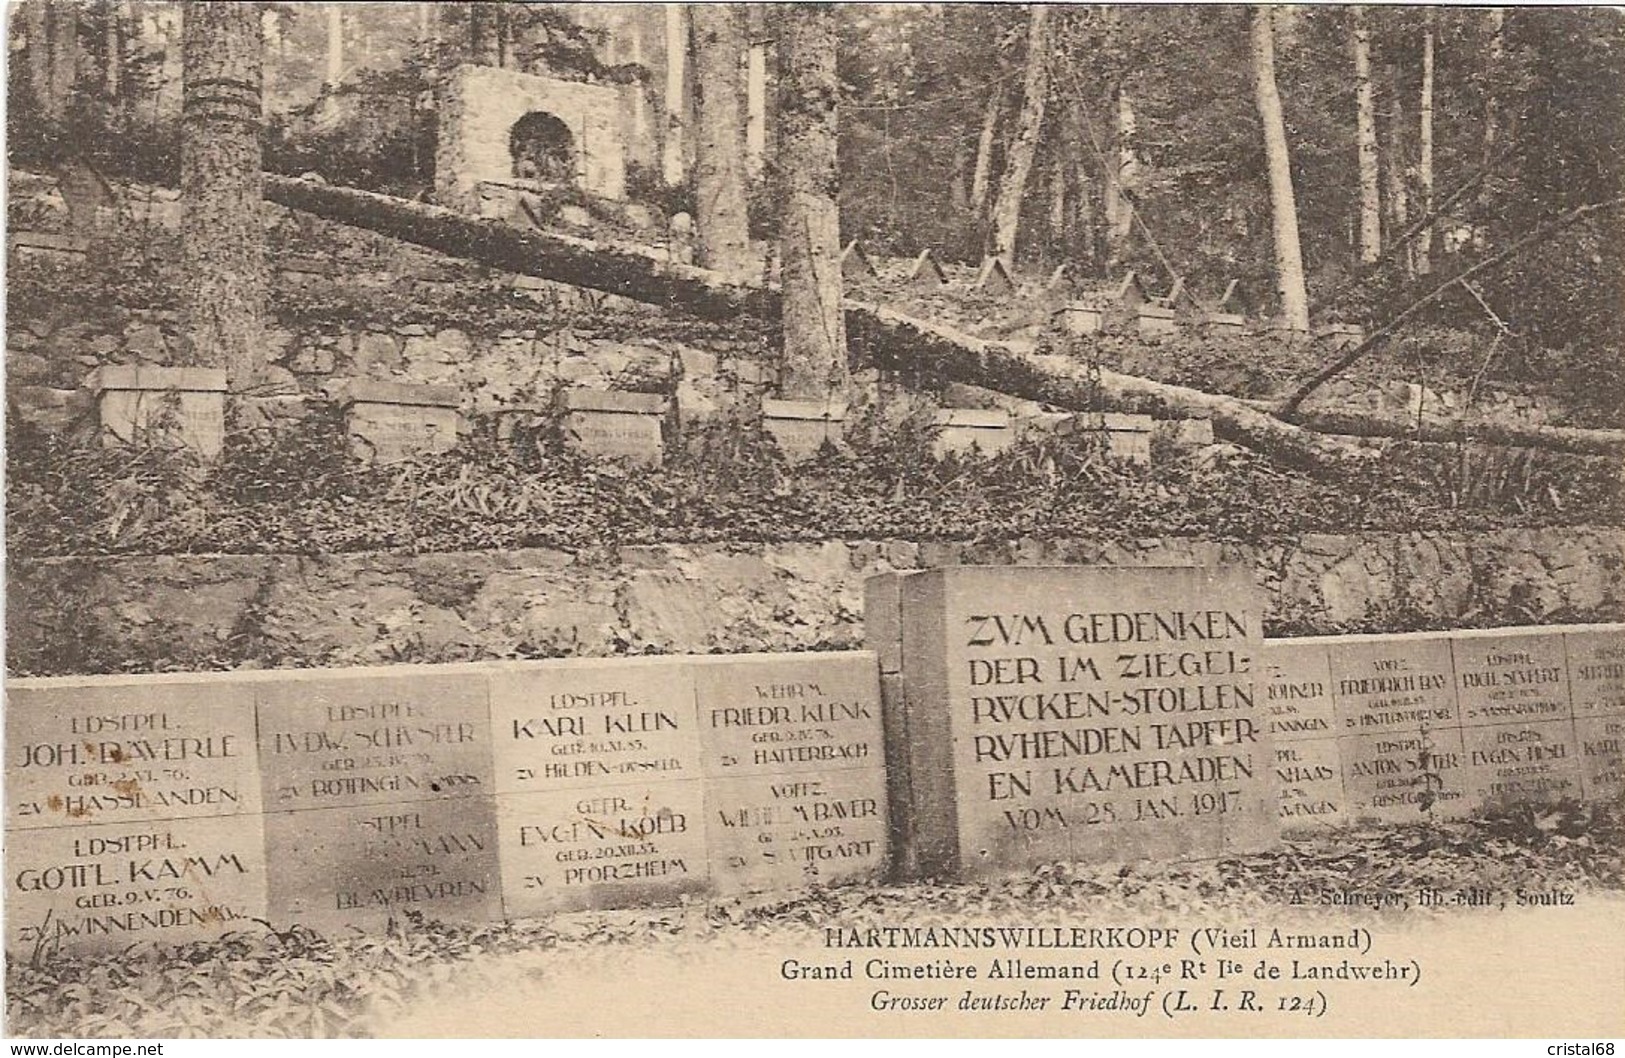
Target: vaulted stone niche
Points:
(506, 127)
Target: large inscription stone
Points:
(795, 765)
(123, 750)
(599, 782)
(1399, 726)
(1302, 724)
(103, 887)
(1076, 713)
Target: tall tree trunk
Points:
(1365, 112)
(982, 172)
(1057, 204)
(335, 47)
(1424, 165)
(504, 35)
(755, 108)
(815, 366)
(641, 137)
(1399, 206)
(482, 37)
(222, 234)
(36, 15)
(113, 49)
(1124, 181)
(958, 183)
(671, 146)
(63, 64)
(721, 221)
(1289, 277)
(1492, 102)
(1018, 163)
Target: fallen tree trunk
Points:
(888, 338)
(901, 342)
(1572, 439)
(632, 272)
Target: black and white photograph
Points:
(788, 521)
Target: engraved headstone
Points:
(1517, 720)
(1080, 317)
(613, 424)
(131, 813)
(1224, 324)
(182, 406)
(391, 421)
(800, 427)
(1399, 728)
(1596, 666)
(600, 787)
(1308, 769)
(795, 764)
(104, 887)
(1084, 714)
(378, 791)
(963, 431)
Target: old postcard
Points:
(751, 520)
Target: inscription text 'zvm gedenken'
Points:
(1113, 716)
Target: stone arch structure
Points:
(484, 107)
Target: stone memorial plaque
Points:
(781, 831)
(1309, 777)
(1399, 727)
(128, 750)
(800, 427)
(970, 430)
(1103, 714)
(1511, 679)
(1298, 696)
(566, 725)
(1513, 695)
(794, 754)
(1522, 763)
(612, 424)
(1602, 757)
(1156, 319)
(361, 865)
(104, 887)
(391, 421)
(1393, 684)
(772, 714)
(617, 843)
(374, 737)
(1403, 776)
(1596, 659)
(187, 403)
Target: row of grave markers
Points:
(1125, 303)
(390, 421)
(1007, 717)
(174, 808)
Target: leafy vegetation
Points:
(297, 490)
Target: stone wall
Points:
(138, 613)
